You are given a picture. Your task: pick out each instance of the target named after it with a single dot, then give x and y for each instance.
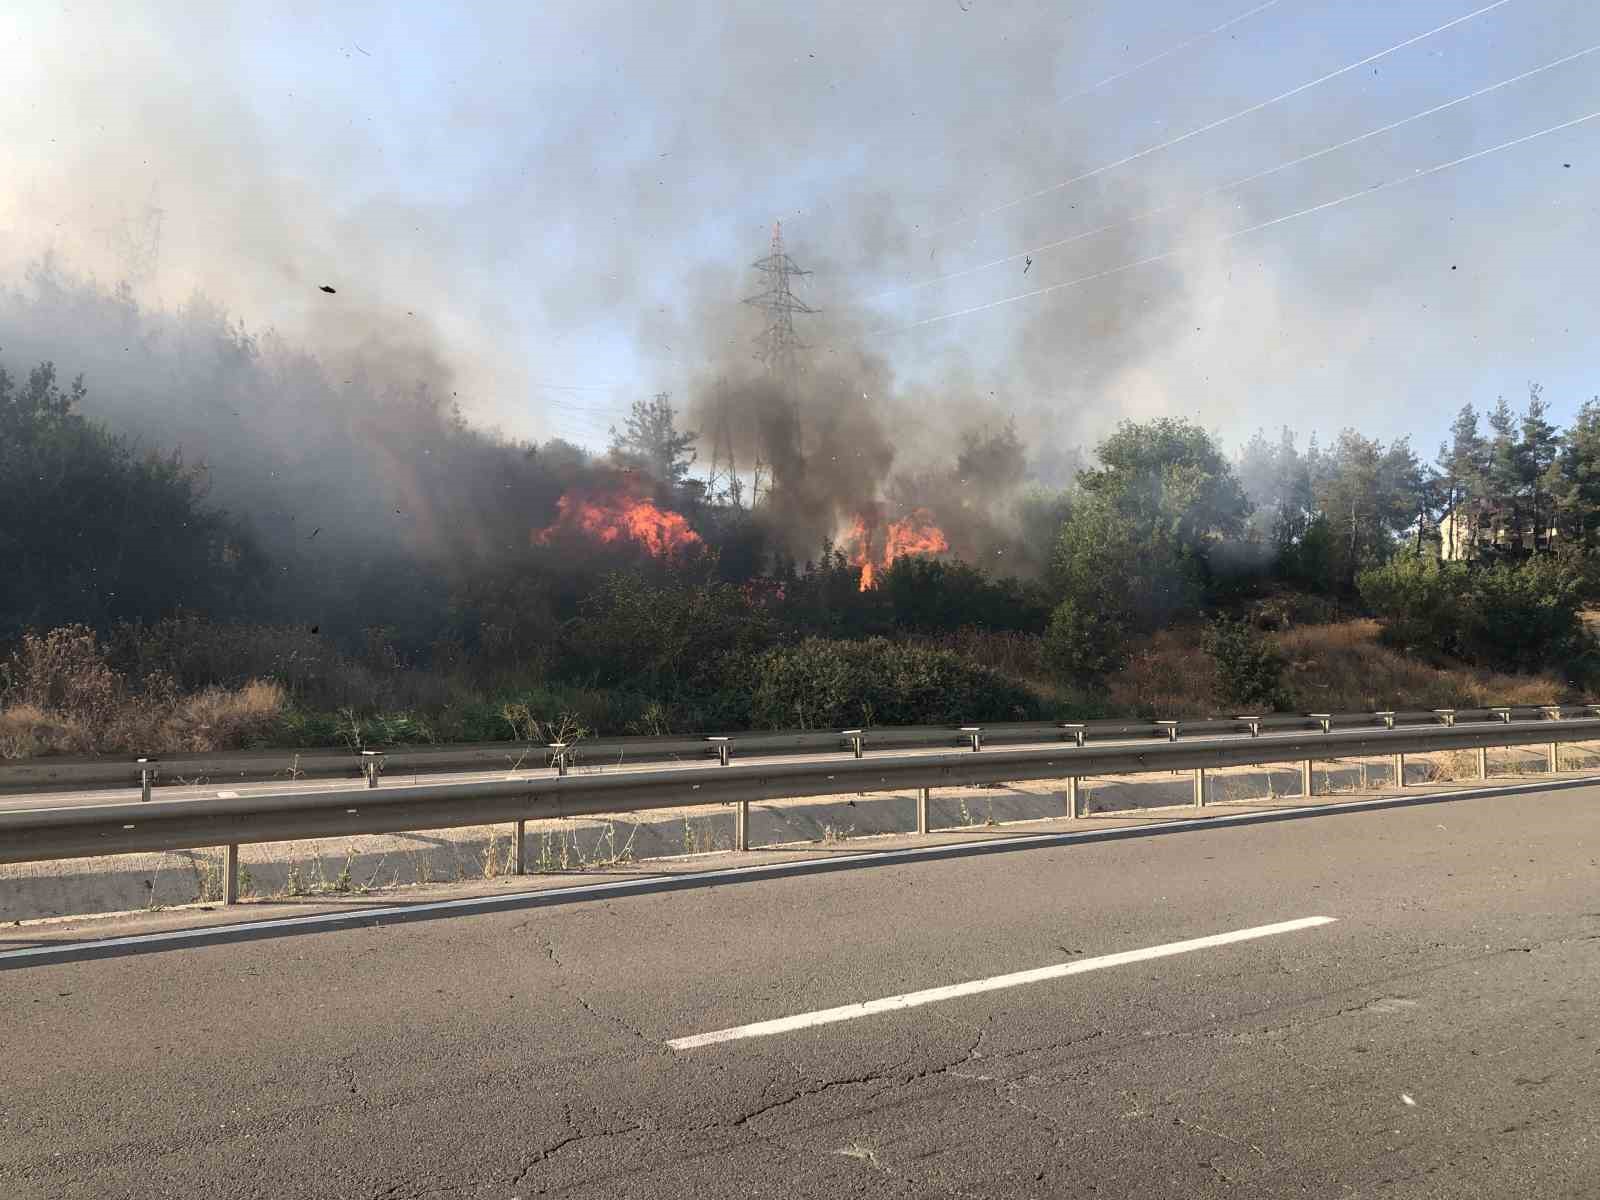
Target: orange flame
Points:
(619, 517)
(915, 534)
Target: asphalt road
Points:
(1438, 1039)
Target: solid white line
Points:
(850, 1012)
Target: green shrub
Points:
(1513, 616)
(926, 595)
(820, 683)
(668, 641)
(1082, 644)
(1525, 616)
(1249, 670)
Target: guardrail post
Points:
(372, 766)
(1386, 716)
(519, 842)
(855, 737)
(975, 735)
(1253, 724)
(1077, 731)
(1399, 770)
(1199, 787)
(558, 756)
(1072, 798)
(741, 808)
(1172, 728)
(1446, 715)
(1307, 783)
(1504, 713)
(147, 774)
(1552, 712)
(230, 874)
(1483, 762)
(922, 809)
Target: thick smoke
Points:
(571, 196)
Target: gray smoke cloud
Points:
(572, 197)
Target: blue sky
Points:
(562, 200)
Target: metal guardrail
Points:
(89, 774)
(34, 835)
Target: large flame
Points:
(914, 534)
(618, 517)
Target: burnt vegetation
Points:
(311, 556)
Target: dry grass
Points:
(1340, 667)
(26, 729)
(214, 719)
(1168, 676)
(1337, 667)
(1344, 668)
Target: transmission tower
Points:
(777, 344)
(724, 479)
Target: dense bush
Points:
(1517, 616)
(90, 533)
(671, 641)
(1249, 670)
(1083, 644)
(818, 684)
(925, 595)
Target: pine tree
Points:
(1463, 466)
(1537, 451)
(1573, 481)
(1503, 476)
(650, 438)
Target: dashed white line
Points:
(850, 1012)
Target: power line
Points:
(1169, 52)
(1237, 183)
(1221, 121)
(1238, 233)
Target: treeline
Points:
(392, 558)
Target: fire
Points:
(618, 517)
(915, 534)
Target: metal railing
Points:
(92, 774)
(42, 834)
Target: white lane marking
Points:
(849, 1012)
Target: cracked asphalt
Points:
(1440, 1040)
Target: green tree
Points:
(1462, 466)
(1168, 475)
(1367, 496)
(649, 439)
(1504, 478)
(1277, 479)
(91, 533)
(1574, 479)
(1537, 452)
(1136, 546)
